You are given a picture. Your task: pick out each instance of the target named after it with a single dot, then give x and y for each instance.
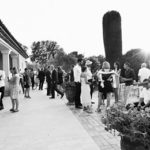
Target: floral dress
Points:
(14, 86)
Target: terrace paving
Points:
(47, 124)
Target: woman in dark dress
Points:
(32, 78)
(27, 82)
(105, 84)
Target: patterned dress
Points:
(14, 86)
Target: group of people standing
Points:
(54, 79)
(31, 79)
(108, 83)
(14, 86)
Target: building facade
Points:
(11, 52)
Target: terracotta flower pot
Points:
(70, 94)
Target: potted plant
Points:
(70, 92)
(133, 126)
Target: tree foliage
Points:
(96, 62)
(42, 51)
(76, 55)
(25, 48)
(112, 36)
(64, 60)
(135, 57)
(33, 65)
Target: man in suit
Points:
(41, 77)
(54, 83)
(48, 80)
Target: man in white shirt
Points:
(2, 88)
(77, 80)
(144, 73)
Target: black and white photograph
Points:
(74, 75)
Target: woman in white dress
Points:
(85, 91)
(14, 90)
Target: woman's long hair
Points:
(117, 64)
(15, 71)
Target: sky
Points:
(76, 25)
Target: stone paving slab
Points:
(93, 125)
(42, 124)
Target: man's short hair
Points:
(143, 65)
(84, 68)
(25, 69)
(79, 60)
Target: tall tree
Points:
(25, 48)
(112, 36)
(43, 50)
(64, 60)
(76, 54)
(96, 62)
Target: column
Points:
(15, 60)
(5, 56)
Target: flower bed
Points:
(133, 125)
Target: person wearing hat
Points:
(89, 76)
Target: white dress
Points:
(85, 93)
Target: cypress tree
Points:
(112, 36)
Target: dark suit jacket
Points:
(54, 77)
(41, 75)
(48, 76)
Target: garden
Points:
(133, 126)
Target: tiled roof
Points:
(9, 39)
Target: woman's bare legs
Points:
(17, 104)
(116, 92)
(108, 99)
(99, 101)
(13, 104)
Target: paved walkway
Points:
(42, 124)
(92, 124)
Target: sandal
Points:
(12, 110)
(98, 110)
(16, 110)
